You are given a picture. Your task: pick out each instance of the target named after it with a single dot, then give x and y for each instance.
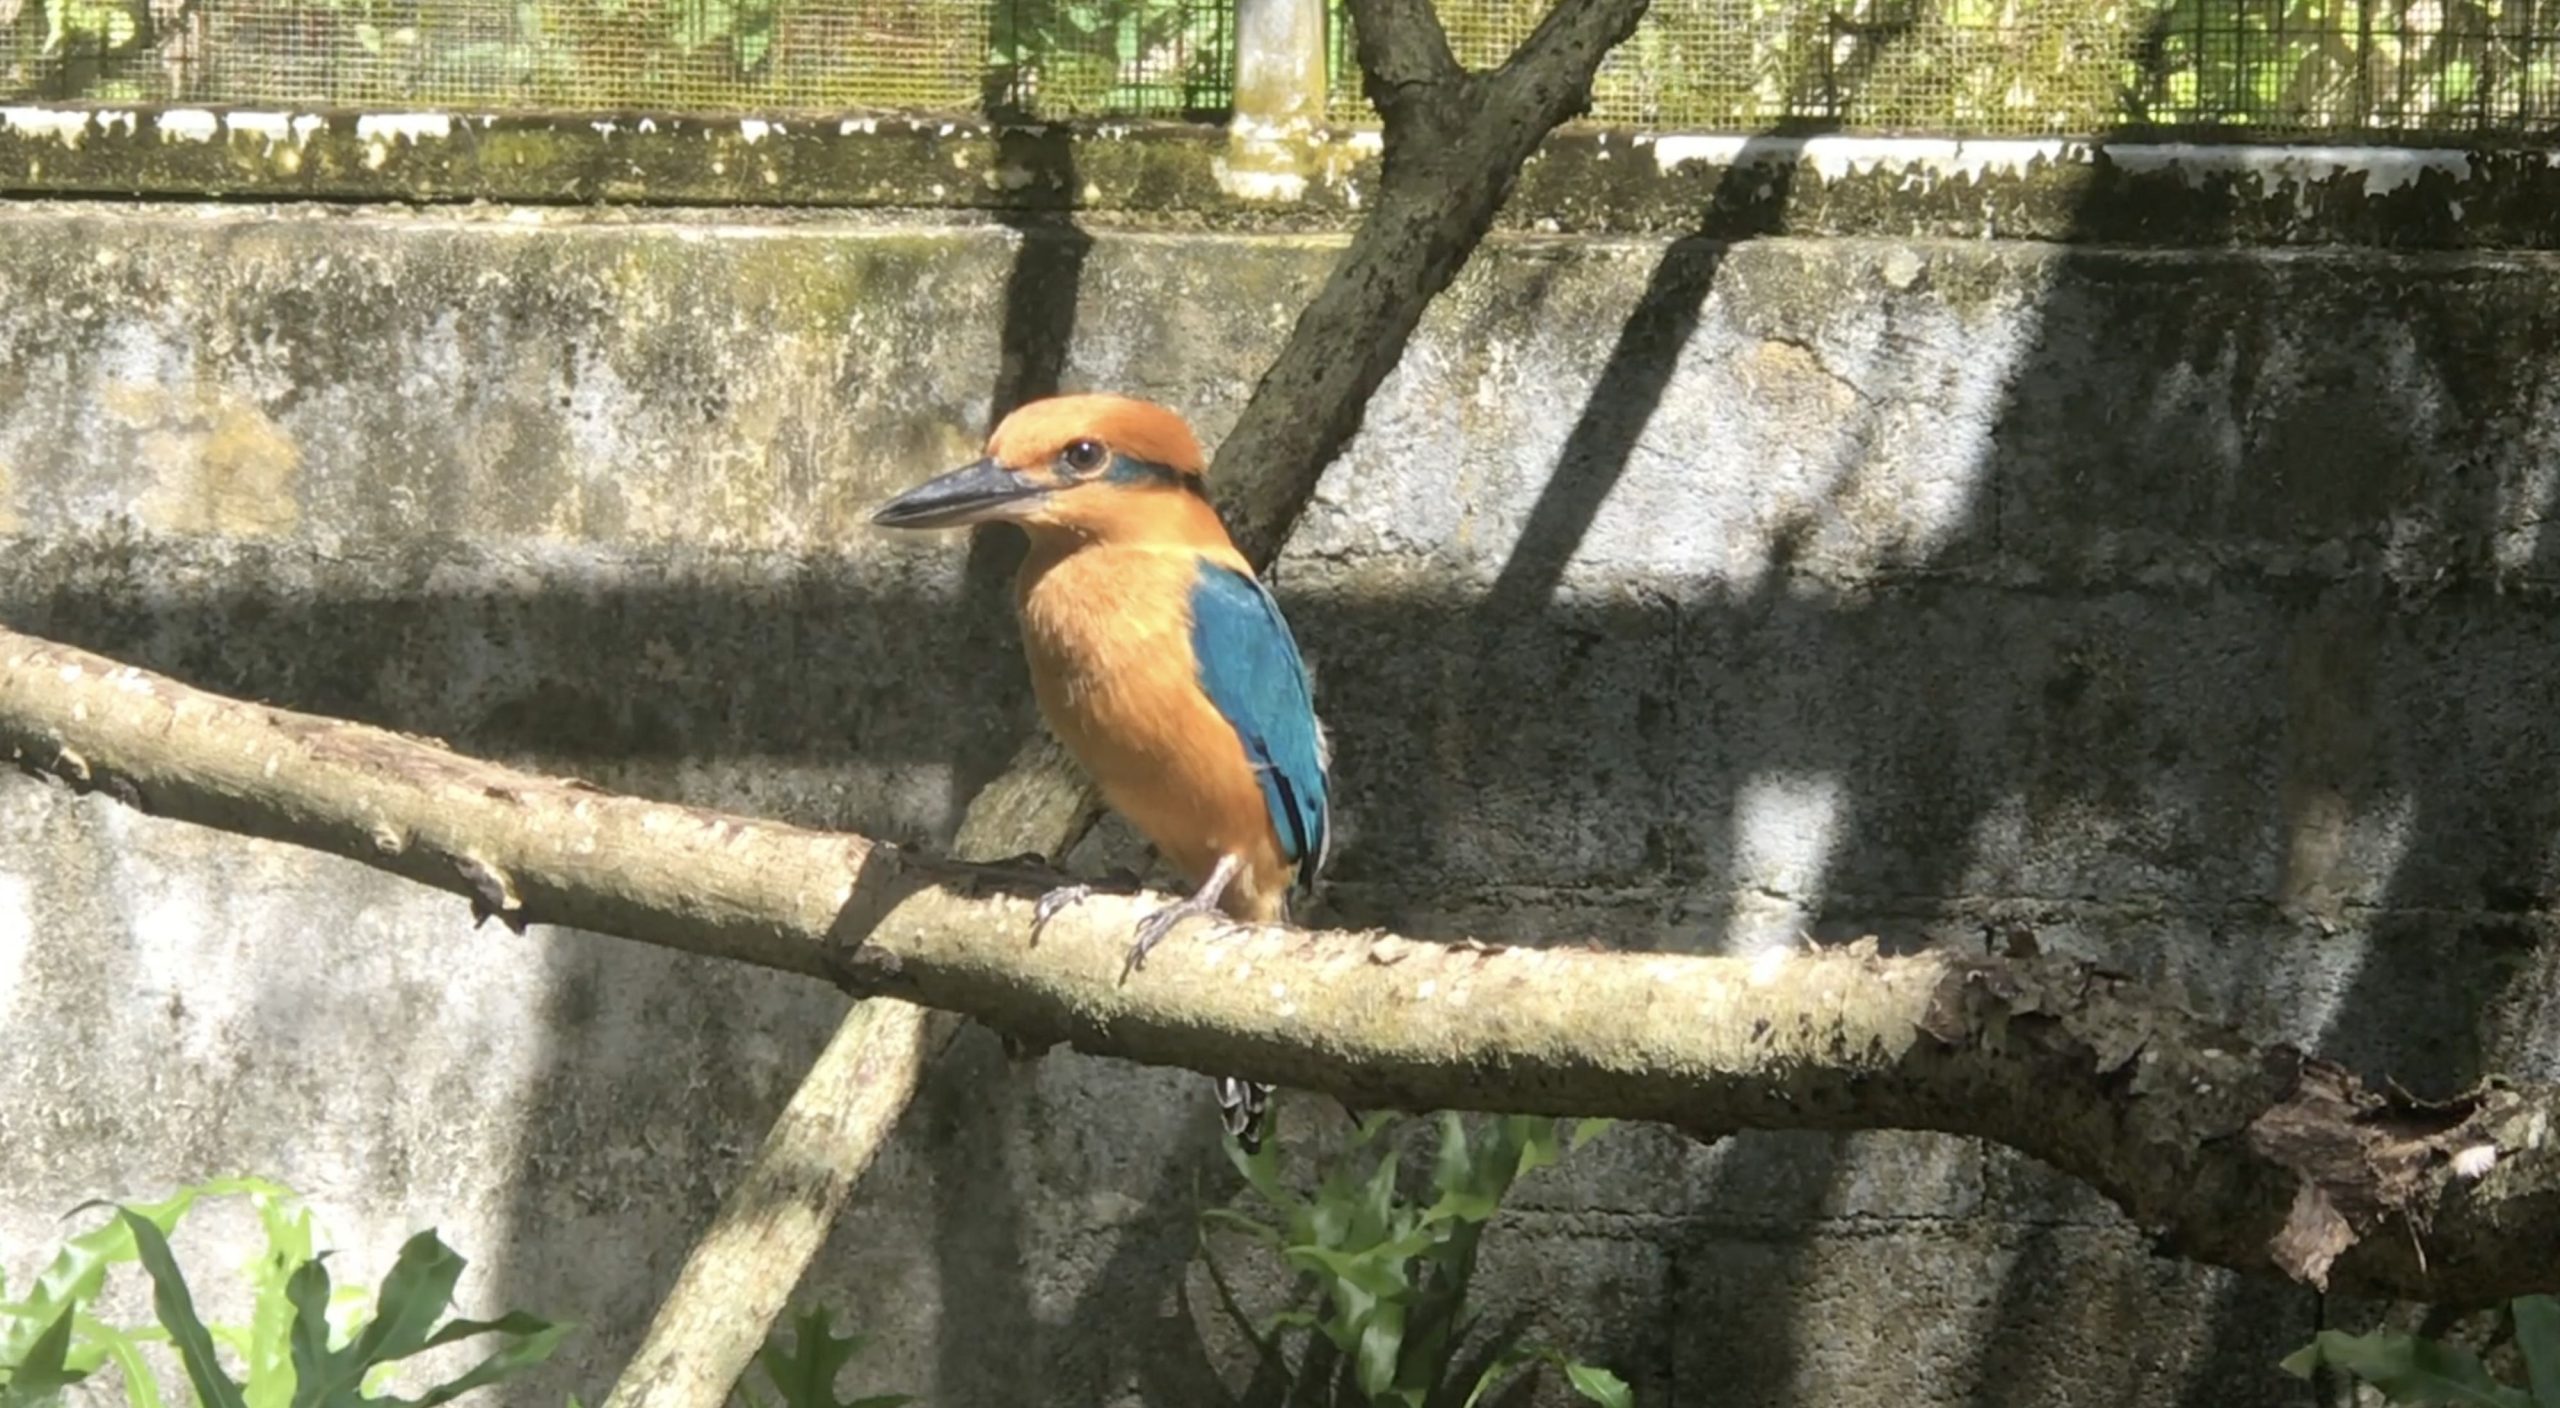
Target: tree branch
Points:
(1455, 143)
(2248, 1156)
(742, 1271)
(1401, 46)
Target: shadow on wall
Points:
(2227, 659)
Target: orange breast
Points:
(1107, 630)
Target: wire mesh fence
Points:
(1060, 58)
(2477, 67)
(2038, 67)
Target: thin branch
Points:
(1548, 80)
(2238, 1154)
(741, 1273)
(1455, 143)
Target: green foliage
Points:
(802, 1371)
(1390, 1274)
(1083, 57)
(306, 1345)
(744, 28)
(2415, 1369)
(90, 26)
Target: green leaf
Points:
(2537, 1320)
(1261, 1172)
(141, 1385)
(2408, 1369)
(45, 1372)
(1295, 1320)
(71, 1278)
(1380, 1340)
(1584, 1131)
(1504, 1365)
(1462, 1205)
(1379, 1271)
(1536, 1139)
(177, 1311)
(307, 1333)
(415, 1295)
(269, 1354)
(1599, 1385)
(805, 1373)
(1374, 1211)
(533, 1340)
(1454, 1165)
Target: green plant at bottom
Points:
(307, 1344)
(801, 1371)
(2410, 1368)
(1391, 1273)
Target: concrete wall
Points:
(2194, 607)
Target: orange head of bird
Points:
(1086, 464)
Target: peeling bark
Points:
(2239, 1154)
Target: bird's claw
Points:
(1153, 929)
(1055, 903)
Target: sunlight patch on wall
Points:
(17, 939)
(1784, 828)
(1824, 412)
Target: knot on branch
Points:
(492, 892)
(2361, 1159)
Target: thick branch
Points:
(2249, 1156)
(1401, 45)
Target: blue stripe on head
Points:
(1250, 669)
(1130, 472)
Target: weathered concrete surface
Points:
(2197, 608)
(2123, 187)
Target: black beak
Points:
(973, 493)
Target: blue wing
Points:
(1250, 669)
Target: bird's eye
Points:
(1083, 456)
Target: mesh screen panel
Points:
(2053, 66)
(2480, 67)
(1057, 58)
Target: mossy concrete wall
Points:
(2196, 608)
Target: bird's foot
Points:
(1242, 1108)
(1055, 903)
(1153, 929)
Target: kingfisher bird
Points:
(1158, 658)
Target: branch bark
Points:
(741, 1273)
(1454, 144)
(2239, 1154)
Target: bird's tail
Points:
(1243, 1106)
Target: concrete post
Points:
(1280, 97)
